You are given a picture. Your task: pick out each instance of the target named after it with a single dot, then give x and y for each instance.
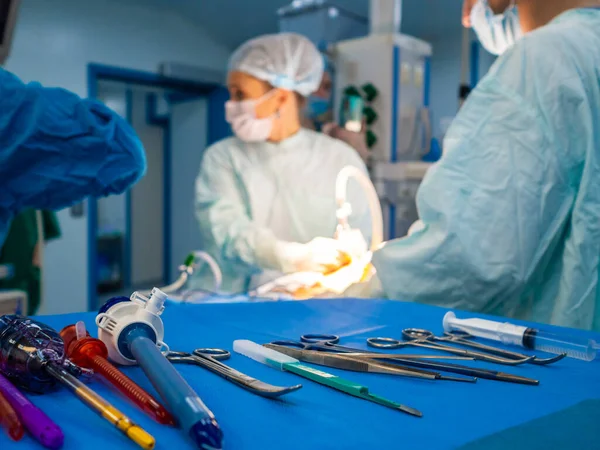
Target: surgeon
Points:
(510, 216)
(265, 198)
(319, 115)
(56, 149)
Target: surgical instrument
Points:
(133, 333)
(327, 342)
(285, 363)
(39, 425)
(507, 333)
(423, 338)
(210, 358)
(346, 361)
(33, 356)
(466, 339)
(10, 421)
(91, 353)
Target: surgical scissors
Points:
(210, 358)
(424, 338)
(328, 343)
(466, 339)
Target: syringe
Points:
(532, 338)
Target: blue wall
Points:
(53, 43)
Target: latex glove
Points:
(352, 242)
(357, 141)
(321, 255)
(371, 288)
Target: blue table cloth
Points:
(316, 417)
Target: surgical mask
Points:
(496, 32)
(317, 106)
(241, 115)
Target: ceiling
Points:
(231, 22)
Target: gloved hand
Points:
(371, 288)
(352, 242)
(321, 255)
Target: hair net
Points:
(285, 60)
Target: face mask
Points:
(241, 115)
(496, 32)
(317, 106)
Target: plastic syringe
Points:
(531, 338)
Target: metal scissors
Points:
(466, 339)
(329, 343)
(210, 358)
(424, 338)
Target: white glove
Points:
(370, 288)
(352, 242)
(319, 255)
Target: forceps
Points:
(466, 339)
(327, 341)
(209, 358)
(426, 339)
(347, 361)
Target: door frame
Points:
(217, 129)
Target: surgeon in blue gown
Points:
(510, 216)
(56, 149)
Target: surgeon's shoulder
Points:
(550, 57)
(337, 150)
(222, 152)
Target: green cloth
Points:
(18, 250)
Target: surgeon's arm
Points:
(223, 213)
(492, 208)
(56, 148)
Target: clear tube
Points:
(507, 333)
(578, 348)
(341, 186)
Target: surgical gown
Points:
(249, 195)
(511, 213)
(56, 149)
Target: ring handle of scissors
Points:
(216, 353)
(320, 338)
(417, 334)
(383, 342)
